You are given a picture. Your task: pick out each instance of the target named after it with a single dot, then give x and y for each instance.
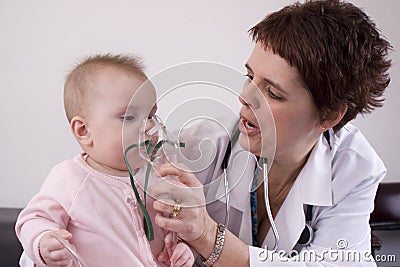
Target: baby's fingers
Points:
(58, 258)
(169, 240)
(163, 257)
(182, 256)
(52, 251)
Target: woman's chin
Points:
(250, 144)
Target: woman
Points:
(316, 65)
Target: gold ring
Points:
(176, 209)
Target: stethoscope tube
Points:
(264, 163)
(225, 168)
(226, 184)
(308, 233)
(227, 198)
(264, 169)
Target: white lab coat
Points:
(340, 182)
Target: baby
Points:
(88, 201)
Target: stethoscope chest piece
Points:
(306, 236)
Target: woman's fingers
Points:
(180, 171)
(170, 224)
(190, 225)
(164, 205)
(173, 192)
(168, 207)
(185, 212)
(171, 188)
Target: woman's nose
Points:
(250, 96)
(242, 100)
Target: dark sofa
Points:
(10, 248)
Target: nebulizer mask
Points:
(156, 145)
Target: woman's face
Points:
(274, 99)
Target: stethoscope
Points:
(262, 164)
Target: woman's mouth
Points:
(247, 127)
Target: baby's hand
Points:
(52, 251)
(180, 255)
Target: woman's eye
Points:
(249, 76)
(272, 95)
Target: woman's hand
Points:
(192, 223)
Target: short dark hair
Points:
(338, 51)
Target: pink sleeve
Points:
(48, 210)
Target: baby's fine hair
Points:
(78, 82)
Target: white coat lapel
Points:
(316, 176)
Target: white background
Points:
(40, 40)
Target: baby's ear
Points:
(81, 132)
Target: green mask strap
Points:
(148, 227)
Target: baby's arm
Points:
(42, 216)
(182, 255)
(46, 212)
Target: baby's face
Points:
(112, 114)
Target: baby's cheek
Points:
(134, 159)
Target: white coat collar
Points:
(312, 186)
(316, 175)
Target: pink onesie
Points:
(99, 210)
